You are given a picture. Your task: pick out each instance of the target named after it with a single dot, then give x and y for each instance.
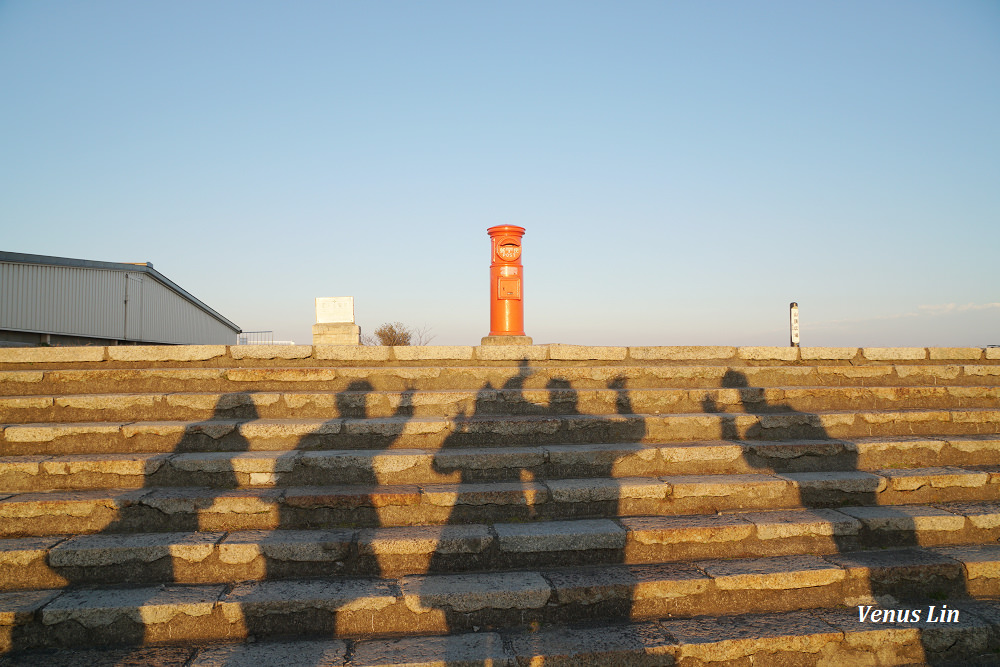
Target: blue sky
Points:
(684, 170)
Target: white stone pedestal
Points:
(340, 333)
(335, 322)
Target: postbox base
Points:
(506, 340)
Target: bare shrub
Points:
(397, 333)
(393, 333)
(422, 335)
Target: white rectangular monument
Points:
(335, 322)
(335, 310)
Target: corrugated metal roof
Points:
(101, 268)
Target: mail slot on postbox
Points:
(506, 281)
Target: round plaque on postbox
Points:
(508, 249)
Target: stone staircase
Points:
(554, 504)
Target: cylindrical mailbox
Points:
(506, 281)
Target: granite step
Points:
(554, 400)
(249, 469)
(223, 556)
(476, 431)
(822, 636)
(360, 607)
(537, 376)
(577, 505)
(173, 509)
(458, 355)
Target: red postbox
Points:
(506, 281)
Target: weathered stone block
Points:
(50, 432)
(784, 524)
(894, 353)
(906, 518)
(506, 340)
(339, 352)
(938, 477)
(352, 497)
(560, 536)
(111, 549)
(273, 653)
(466, 593)
(96, 609)
(50, 355)
(486, 648)
(880, 643)
(106, 402)
(963, 353)
(700, 453)
(432, 352)
(768, 353)
(559, 351)
(336, 334)
(597, 490)
(681, 529)
(853, 481)
(258, 600)
(981, 561)
(512, 352)
(813, 353)
(10, 378)
(637, 645)
(681, 353)
(270, 351)
(287, 431)
(746, 486)
(165, 352)
(627, 584)
(136, 465)
(872, 451)
(776, 574)
(797, 637)
(318, 546)
(932, 373)
(424, 540)
(450, 495)
(19, 607)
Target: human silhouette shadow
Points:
(166, 516)
(172, 505)
(351, 406)
(332, 499)
(839, 492)
(514, 522)
(326, 498)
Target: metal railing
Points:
(255, 338)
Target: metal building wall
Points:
(62, 300)
(111, 303)
(175, 320)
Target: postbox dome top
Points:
(505, 230)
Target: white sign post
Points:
(793, 322)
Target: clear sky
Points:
(683, 169)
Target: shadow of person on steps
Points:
(533, 516)
(838, 511)
(154, 547)
(337, 500)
